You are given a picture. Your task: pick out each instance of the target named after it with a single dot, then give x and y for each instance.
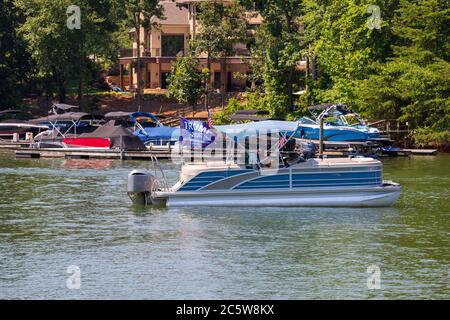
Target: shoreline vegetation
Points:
(385, 63)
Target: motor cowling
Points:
(307, 149)
(140, 186)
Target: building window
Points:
(172, 45)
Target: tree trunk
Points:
(80, 83)
(314, 68)
(290, 94)
(61, 90)
(291, 71)
(80, 91)
(208, 64)
(138, 30)
(307, 80)
(224, 85)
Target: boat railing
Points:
(161, 185)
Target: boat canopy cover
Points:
(119, 136)
(124, 115)
(158, 133)
(269, 125)
(118, 115)
(338, 107)
(253, 112)
(323, 107)
(14, 121)
(247, 117)
(69, 116)
(59, 108)
(136, 115)
(13, 112)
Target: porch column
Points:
(159, 74)
(223, 76)
(147, 85)
(131, 76)
(121, 77)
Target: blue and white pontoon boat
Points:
(348, 182)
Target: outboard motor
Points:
(140, 185)
(307, 149)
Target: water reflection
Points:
(103, 164)
(56, 213)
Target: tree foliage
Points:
(14, 66)
(61, 54)
(279, 48)
(220, 26)
(185, 82)
(413, 85)
(400, 71)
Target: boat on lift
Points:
(147, 127)
(11, 127)
(65, 130)
(337, 127)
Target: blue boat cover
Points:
(136, 115)
(269, 125)
(158, 133)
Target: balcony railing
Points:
(156, 52)
(129, 53)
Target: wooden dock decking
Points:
(333, 149)
(422, 152)
(97, 154)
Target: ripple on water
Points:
(56, 213)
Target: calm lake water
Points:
(60, 213)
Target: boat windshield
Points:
(147, 122)
(335, 121)
(306, 120)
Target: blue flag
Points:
(196, 133)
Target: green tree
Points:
(14, 64)
(414, 84)
(61, 54)
(221, 25)
(185, 82)
(344, 47)
(139, 15)
(279, 48)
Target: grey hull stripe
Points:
(231, 182)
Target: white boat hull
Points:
(381, 196)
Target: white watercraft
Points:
(334, 182)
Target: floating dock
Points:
(422, 152)
(95, 154)
(332, 149)
(11, 145)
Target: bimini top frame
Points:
(74, 118)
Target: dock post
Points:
(121, 147)
(321, 138)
